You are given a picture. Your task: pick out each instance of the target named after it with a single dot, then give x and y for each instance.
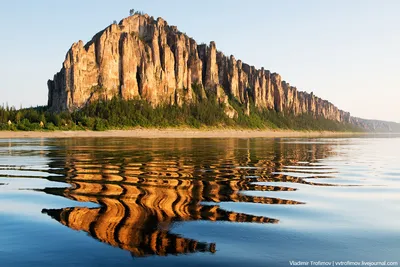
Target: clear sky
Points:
(345, 51)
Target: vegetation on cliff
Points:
(122, 114)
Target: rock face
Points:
(147, 59)
(376, 125)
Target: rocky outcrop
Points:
(147, 59)
(376, 125)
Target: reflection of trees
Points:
(144, 188)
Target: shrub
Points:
(100, 125)
(50, 126)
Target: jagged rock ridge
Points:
(146, 58)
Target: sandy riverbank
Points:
(171, 133)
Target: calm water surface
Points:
(196, 202)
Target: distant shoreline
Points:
(174, 133)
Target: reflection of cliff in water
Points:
(144, 188)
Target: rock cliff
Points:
(376, 125)
(147, 59)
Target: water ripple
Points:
(144, 188)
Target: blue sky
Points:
(345, 51)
